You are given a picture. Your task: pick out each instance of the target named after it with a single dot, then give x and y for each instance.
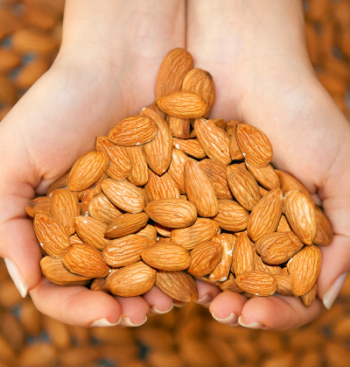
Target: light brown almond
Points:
(177, 167)
(265, 217)
(139, 173)
(88, 195)
(222, 270)
(190, 146)
(91, 231)
(254, 145)
(51, 235)
(28, 40)
(99, 285)
(132, 280)
(204, 258)
(197, 183)
(231, 125)
(324, 234)
(180, 128)
(39, 205)
(243, 186)
(289, 183)
(235, 152)
(161, 187)
(172, 213)
(60, 183)
(126, 224)
(309, 297)
(149, 231)
(162, 230)
(257, 283)
(266, 176)
(283, 225)
(75, 239)
(284, 285)
(87, 170)
(231, 216)
(102, 209)
(85, 260)
(265, 268)
(133, 130)
(300, 212)
(243, 256)
(230, 285)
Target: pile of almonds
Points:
(159, 202)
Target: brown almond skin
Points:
(158, 152)
(254, 145)
(180, 128)
(231, 216)
(167, 256)
(197, 183)
(299, 210)
(39, 205)
(102, 209)
(139, 173)
(179, 285)
(201, 82)
(161, 187)
(172, 213)
(243, 256)
(91, 231)
(222, 270)
(265, 217)
(204, 258)
(124, 195)
(126, 224)
(216, 173)
(324, 233)
(182, 104)
(266, 176)
(243, 186)
(56, 273)
(277, 248)
(283, 225)
(149, 231)
(132, 280)
(289, 183)
(214, 140)
(265, 268)
(133, 130)
(284, 285)
(235, 152)
(230, 285)
(202, 230)
(309, 297)
(60, 183)
(85, 260)
(177, 167)
(64, 207)
(51, 235)
(190, 146)
(173, 69)
(87, 170)
(257, 283)
(125, 250)
(304, 268)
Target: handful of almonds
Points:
(160, 202)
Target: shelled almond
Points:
(148, 205)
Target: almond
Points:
(304, 268)
(40, 205)
(91, 231)
(172, 213)
(149, 231)
(230, 285)
(284, 285)
(75, 239)
(102, 209)
(265, 217)
(60, 183)
(289, 183)
(235, 152)
(202, 230)
(254, 145)
(283, 225)
(175, 65)
(204, 258)
(257, 283)
(261, 266)
(231, 216)
(177, 167)
(119, 163)
(180, 128)
(324, 234)
(125, 250)
(178, 285)
(243, 256)
(85, 260)
(161, 187)
(231, 125)
(124, 195)
(139, 173)
(216, 173)
(28, 40)
(158, 152)
(166, 256)
(266, 176)
(64, 207)
(191, 147)
(201, 82)
(197, 183)
(99, 285)
(132, 280)
(277, 248)
(51, 235)
(222, 270)
(300, 213)
(243, 186)
(186, 105)
(134, 130)
(56, 273)
(126, 224)
(87, 170)
(309, 297)
(162, 231)
(214, 140)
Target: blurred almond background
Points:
(30, 35)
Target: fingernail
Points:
(332, 293)
(17, 278)
(155, 310)
(104, 323)
(252, 325)
(179, 304)
(205, 300)
(230, 320)
(126, 322)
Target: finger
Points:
(278, 313)
(133, 311)
(206, 292)
(158, 301)
(76, 305)
(227, 307)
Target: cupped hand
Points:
(257, 56)
(105, 71)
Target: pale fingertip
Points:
(17, 277)
(127, 322)
(231, 320)
(330, 296)
(155, 310)
(252, 325)
(104, 323)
